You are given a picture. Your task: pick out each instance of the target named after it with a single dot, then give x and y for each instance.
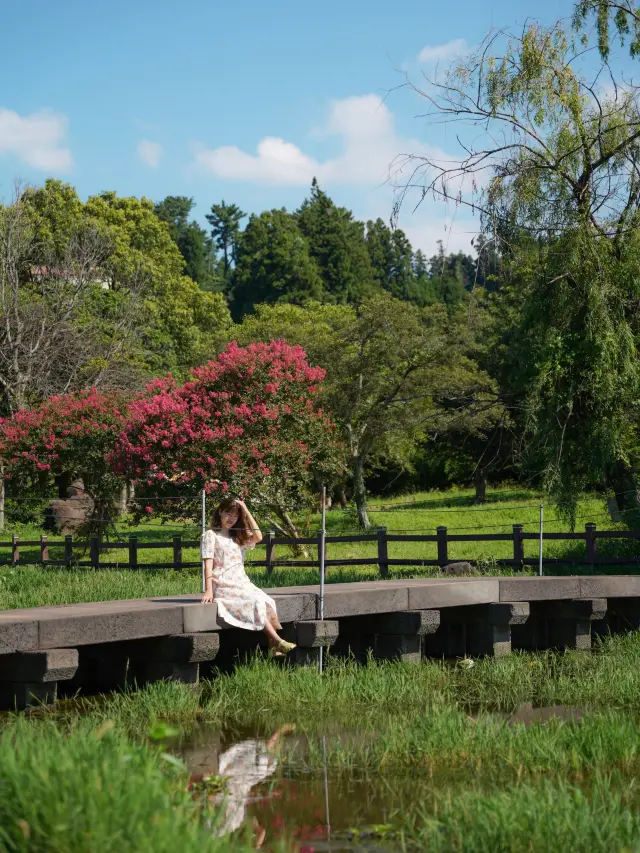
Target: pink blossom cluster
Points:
(244, 418)
(60, 430)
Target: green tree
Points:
(391, 258)
(626, 20)
(395, 372)
(225, 229)
(273, 264)
(193, 241)
(423, 287)
(156, 317)
(337, 245)
(563, 198)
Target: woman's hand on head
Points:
(207, 598)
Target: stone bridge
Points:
(55, 651)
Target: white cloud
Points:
(373, 157)
(370, 144)
(150, 153)
(37, 139)
(443, 52)
(424, 231)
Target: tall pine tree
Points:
(337, 245)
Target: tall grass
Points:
(92, 791)
(553, 817)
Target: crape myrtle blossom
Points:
(246, 423)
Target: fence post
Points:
(94, 552)
(68, 550)
(383, 553)
(518, 543)
(590, 537)
(271, 549)
(15, 550)
(443, 557)
(177, 552)
(133, 552)
(44, 549)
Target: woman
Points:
(240, 603)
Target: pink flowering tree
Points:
(245, 425)
(64, 438)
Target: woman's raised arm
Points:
(254, 531)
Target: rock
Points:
(459, 569)
(68, 516)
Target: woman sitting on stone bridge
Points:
(240, 603)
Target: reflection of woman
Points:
(240, 603)
(244, 765)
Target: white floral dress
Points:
(240, 603)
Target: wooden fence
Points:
(91, 553)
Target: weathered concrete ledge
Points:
(103, 645)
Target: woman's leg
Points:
(271, 633)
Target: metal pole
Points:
(327, 818)
(204, 528)
(323, 534)
(541, 530)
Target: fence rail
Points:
(92, 552)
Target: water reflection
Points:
(320, 810)
(239, 769)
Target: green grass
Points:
(29, 585)
(549, 817)
(93, 791)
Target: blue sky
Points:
(241, 101)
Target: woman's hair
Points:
(240, 531)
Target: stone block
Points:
(18, 636)
(294, 608)
(610, 586)
(584, 610)
(538, 589)
(306, 656)
(199, 617)
(411, 622)
(316, 633)
(146, 672)
(508, 613)
(18, 695)
(179, 648)
(110, 626)
(443, 594)
(486, 639)
(494, 613)
(382, 598)
(39, 666)
(402, 647)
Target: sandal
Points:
(281, 648)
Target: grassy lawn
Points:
(30, 585)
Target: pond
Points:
(269, 784)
